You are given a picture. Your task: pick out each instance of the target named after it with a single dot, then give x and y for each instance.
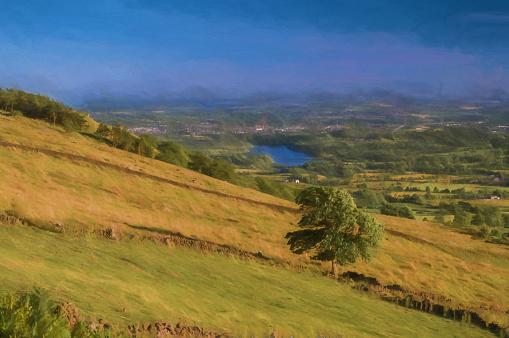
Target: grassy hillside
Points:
(425, 257)
(82, 195)
(81, 189)
(130, 281)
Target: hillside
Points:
(132, 239)
(97, 186)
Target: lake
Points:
(282, 155)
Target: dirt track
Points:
(167, 329)
(157, 329)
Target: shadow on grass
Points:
(198, 243)
(159, 231)
(97, 138)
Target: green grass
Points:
(132, 281)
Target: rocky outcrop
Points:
(168, 329)
(423, 301)
(8, 219)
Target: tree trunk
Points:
(335, 269)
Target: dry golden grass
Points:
(494, 203)
(46, 189)
(430, 258)
(39, 134)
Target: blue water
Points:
(282, 155)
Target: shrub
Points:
(368, 199)
(496, 232)
(439, 219)
(33, 314)
(485, 231)
(30, 314)
(395, 210)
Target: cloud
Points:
(490, 17)
(123, 48)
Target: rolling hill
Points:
(128, 239)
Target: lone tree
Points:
(334, 228)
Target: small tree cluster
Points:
(42, 108)
(466, 214)
(397, 211)
(368, 199)
(217, 168)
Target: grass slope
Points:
(425, 257)
(82, 195)
(131, 281)
(85, 196)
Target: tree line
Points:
(453, 150)
(16, 102)
(166, 151)
(174, 153)
(41, 107)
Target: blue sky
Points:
(71, 50)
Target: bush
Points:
(394, 210)
(33, 314)
(368, 199)
(30, 314)
(461, 218)
(496, 233)
(439, 219)
(484, 231)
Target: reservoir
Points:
(282, 155)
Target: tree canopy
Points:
(333, 228)
(41, 107)
(398, 211)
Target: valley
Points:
(133, 241)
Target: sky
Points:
(74, 50)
